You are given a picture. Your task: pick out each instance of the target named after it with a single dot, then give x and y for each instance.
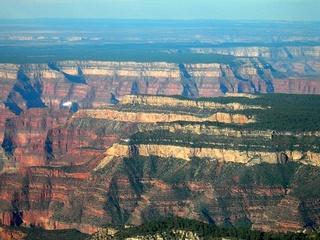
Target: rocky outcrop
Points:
(152, 109)
(185, 153)
(160, 117)
(167, 101)
(216, 154)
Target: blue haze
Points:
(290, 10)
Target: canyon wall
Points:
(160, 117)
(103, 166)
(80, 149)
(93, 84)
(218, 154)
(269, 53)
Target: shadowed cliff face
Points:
(77, 77)
(190, 88)
(25, 91)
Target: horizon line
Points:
(158, 19)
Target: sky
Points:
(290, 10)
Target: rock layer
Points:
(92, 84)
(81, 165)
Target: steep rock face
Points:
(298, 86)
(299, 67)
(229, 145)
(25, 135)
(152, 109)
(160, 117)
(123, 78)
(5, 114)
(94, 84)
(191, 80)
(161, 101)
(9, 72)
(83, 138)
(36, 194)
(167, 151)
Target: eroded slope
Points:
(106, 167)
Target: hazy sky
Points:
(163, 9)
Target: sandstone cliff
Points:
(160, 117)
(185, 153)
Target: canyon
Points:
(93, 84)
(84, 169)
(90, 143)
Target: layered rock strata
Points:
(92, 84)
(118, 165)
